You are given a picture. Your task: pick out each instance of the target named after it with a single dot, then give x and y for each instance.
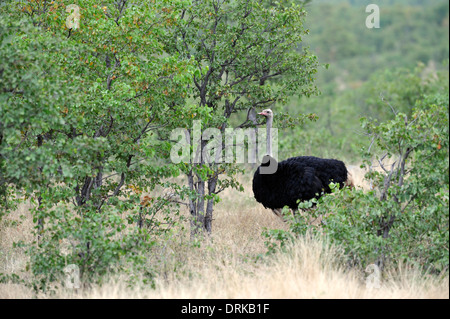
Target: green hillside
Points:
(364, 63)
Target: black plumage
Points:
(297, 178)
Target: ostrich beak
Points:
(262, 113)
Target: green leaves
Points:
(404, 219)
(78, 114)
(242, 54)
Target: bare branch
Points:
(382, 99)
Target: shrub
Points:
(404, 217)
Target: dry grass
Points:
(225, 265)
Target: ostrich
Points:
(276, 185)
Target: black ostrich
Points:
(276, 185)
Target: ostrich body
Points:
(297, 178)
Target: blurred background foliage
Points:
(367, 71)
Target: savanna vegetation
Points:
(90, 196)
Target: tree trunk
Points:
(196, 206)
(388, 221)
(210, 205)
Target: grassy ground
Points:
(225, 266)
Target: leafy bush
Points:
(404, 217)
(76, 123)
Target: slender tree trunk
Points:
(196, 206)
(388, 221)
(210, 205)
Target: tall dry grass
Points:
(226, 264)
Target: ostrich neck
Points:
(269, 135)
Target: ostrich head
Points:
(267, 113)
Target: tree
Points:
(246, 55)
(403, 218)
(413, 187)
(78, 110)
